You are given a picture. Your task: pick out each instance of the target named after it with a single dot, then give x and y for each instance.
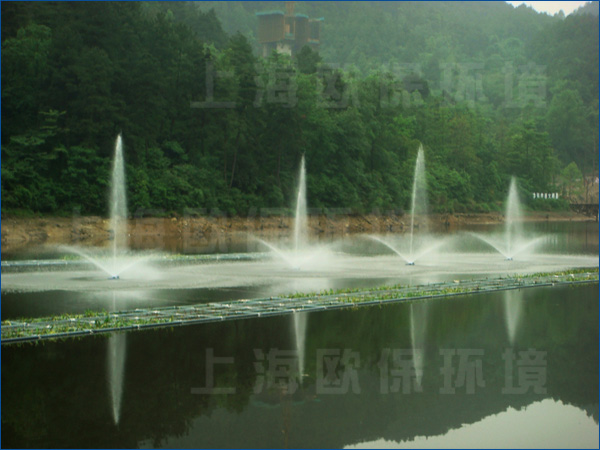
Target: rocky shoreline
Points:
(20, 233)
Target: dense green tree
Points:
(570, 175)
(307, 60)
(208, 125)
(531, 158)
(568, 126)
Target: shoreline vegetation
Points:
(490, 92)
(63, 326)
(22, 233)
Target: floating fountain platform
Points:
(14, 331)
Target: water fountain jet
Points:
(419, 203)
(301, 252)
(118, 205)
(419, 207)
(512, 242)
(117, 263)
(301, 219)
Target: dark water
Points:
(71, 393)
(47, 303)
(141, 389)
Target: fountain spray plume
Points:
(282, 254)
(513, 240)
(419, 205)
(118, 205)
(295, 257)
(408, 261)
(301, 219)
(117, 261)
(513, 226)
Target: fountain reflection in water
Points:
(513, 304)
(116, 354)
(300, 322)
(418, 328)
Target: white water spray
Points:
(419, 205)
(513, 241)
(301, 219)
(118, 205)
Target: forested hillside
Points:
(489, 90)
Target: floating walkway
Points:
(66, 326)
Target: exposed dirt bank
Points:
(164, 233)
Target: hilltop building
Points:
(287, 32)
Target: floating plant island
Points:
(65, 326)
